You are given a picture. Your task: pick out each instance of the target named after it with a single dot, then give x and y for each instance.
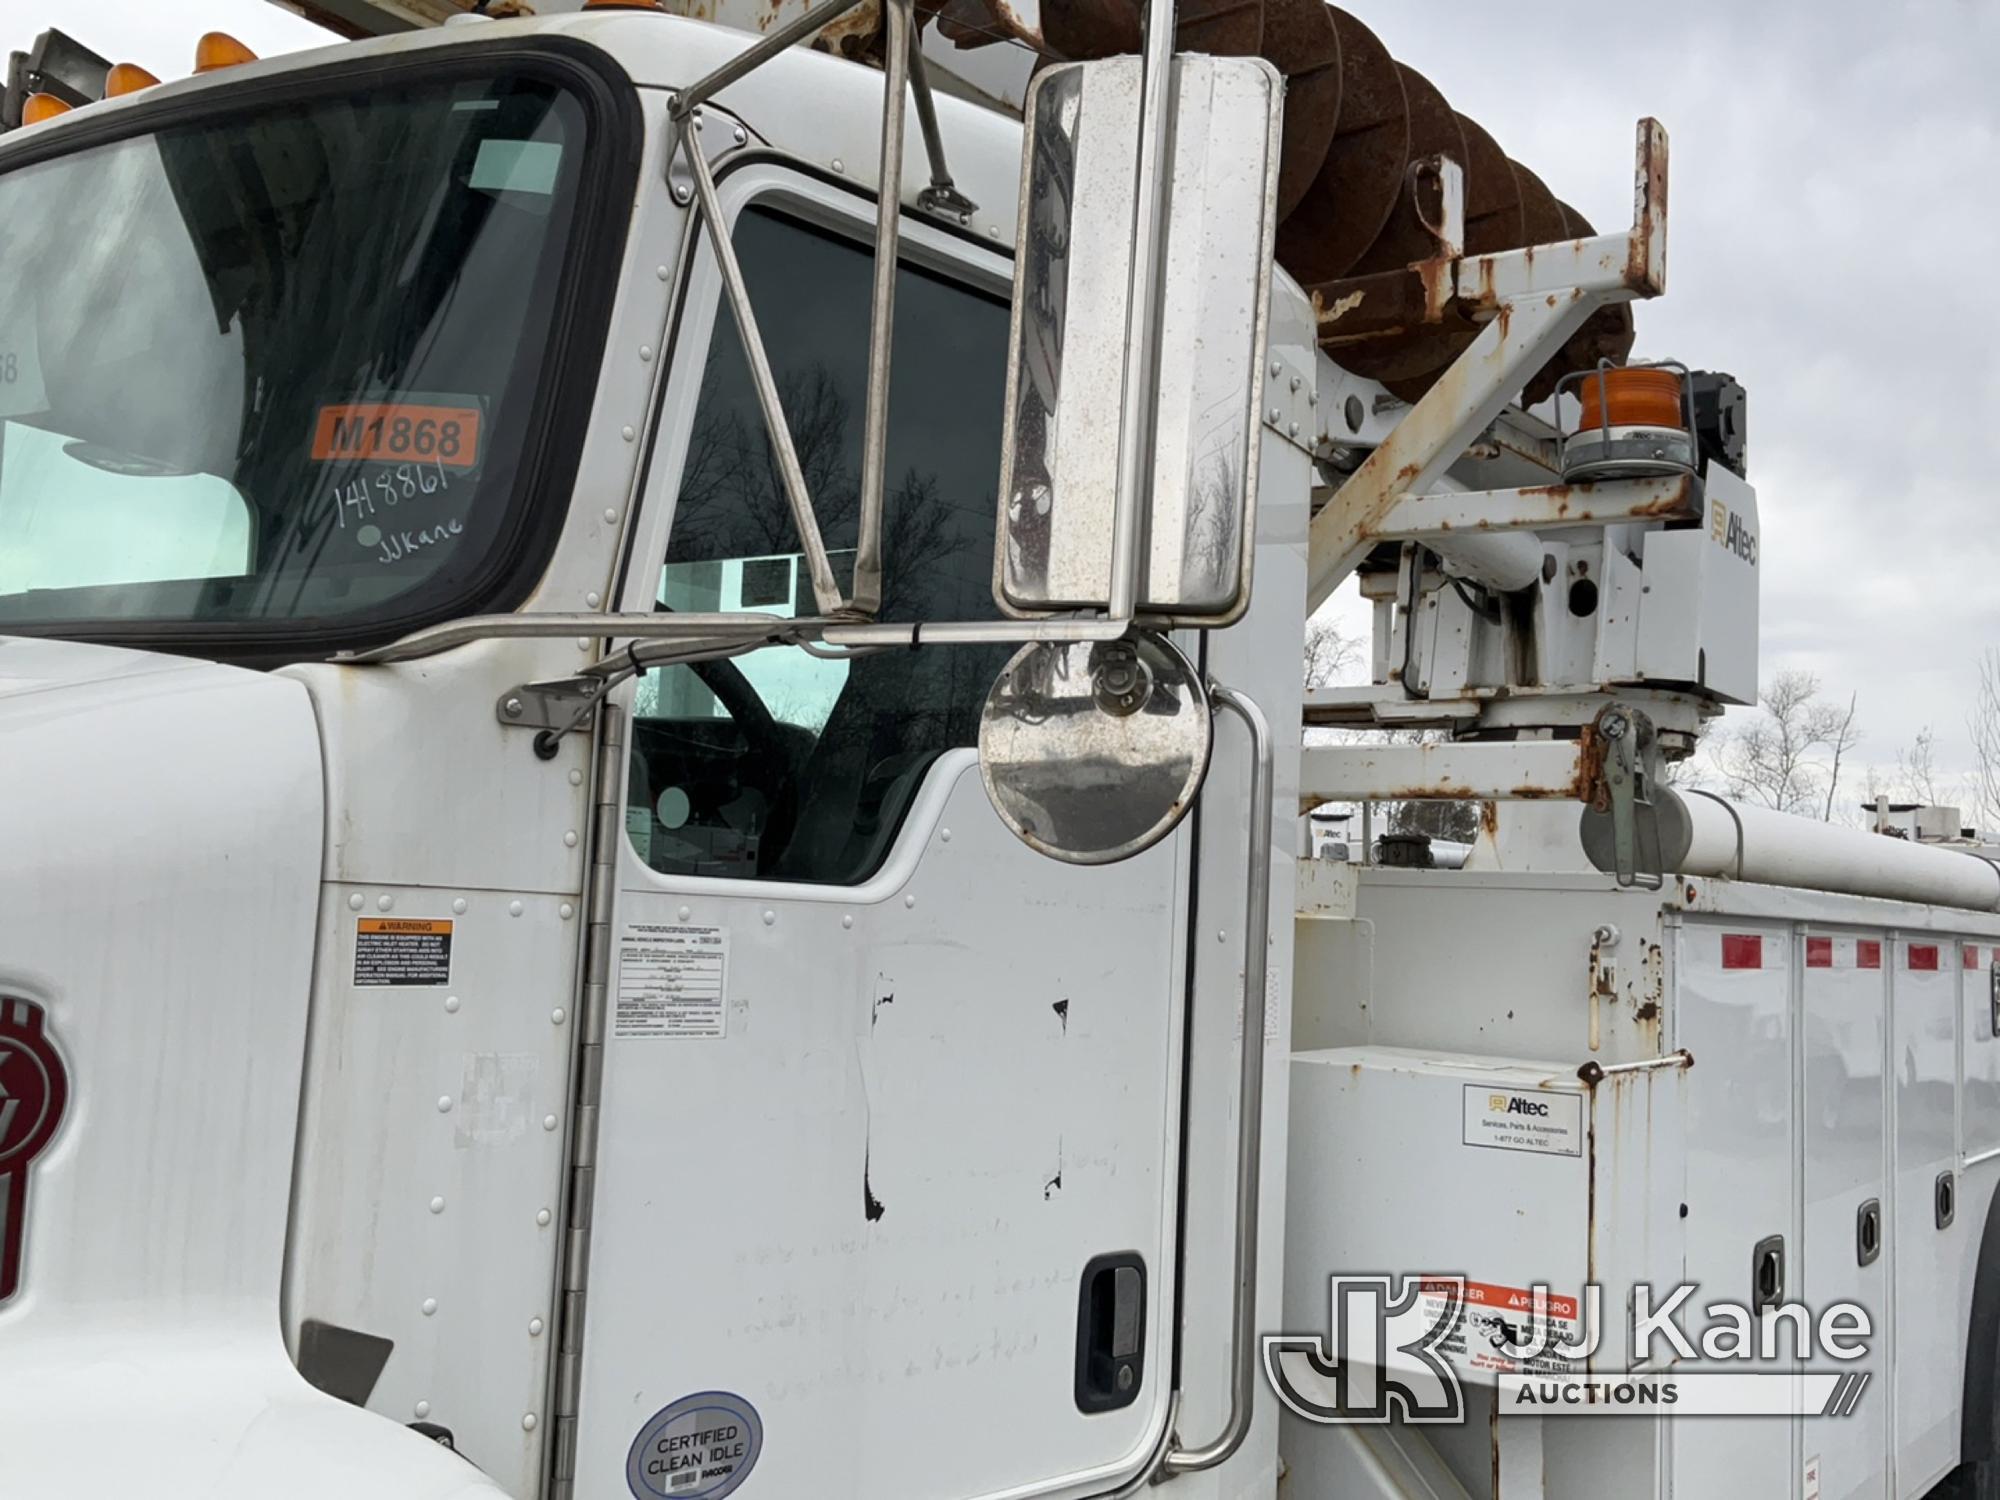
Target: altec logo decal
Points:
(1514, 1104)
(1730, 530)
(34, 1089)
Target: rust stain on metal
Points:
(1649, 211)
(1588, 785)
(856, 35)
(1601, 981)
(1649, 997)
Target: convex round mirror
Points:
(1093, 751)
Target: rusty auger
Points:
(1359, 182)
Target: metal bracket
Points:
(1539, 508)
(551, 708)
(716, 133)
(1290, 394)
(1455, 770)
(1531, 300)
(1630, 772)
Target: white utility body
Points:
(531, 961)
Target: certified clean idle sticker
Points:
(1543, 1120)
(700, 1448)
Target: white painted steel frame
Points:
(1478, 772)
(1536, 298)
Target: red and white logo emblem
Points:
(33, 1091)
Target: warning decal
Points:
(670, 981)
(393, 951)
(1510, 1330)
(1548, 1121)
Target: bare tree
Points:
(1916, 768)
(1983, 725)
(1776, 758)
(1693, 769)
(1329, 652)
(1841, 738)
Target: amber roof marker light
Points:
(218, 49)
(127, 78)
(39, 107)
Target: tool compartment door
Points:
(1842, 1021)
(886, 1168)
(1734, 1007)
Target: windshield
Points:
(280, 369)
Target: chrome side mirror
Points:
(1093, 751)
(1072, 346)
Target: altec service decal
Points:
(1548, 1121)
(700, 1448)
(34, 1089)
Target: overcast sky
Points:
(1833, 215)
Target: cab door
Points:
(884, 1190)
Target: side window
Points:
(780, 765)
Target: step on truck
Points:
(656, 773)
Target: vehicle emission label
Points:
(393, 951)
(1541, 1120)
(670, 981)
(700, 1448)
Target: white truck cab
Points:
(733, 1068)
(531, 960)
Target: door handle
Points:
(1868, 1232)
(1767, 1273)
(1946, 1199)
(1110, 1333)
(1180, 1458)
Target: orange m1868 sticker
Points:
(395, 433)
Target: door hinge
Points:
(573, 1268)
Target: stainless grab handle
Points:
(1250, 1125)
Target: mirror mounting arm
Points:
(942, 196)
(1181, 1460)
(706, 87)
(826, 591)
(1149, 235)
(898, 47)
(898, 57)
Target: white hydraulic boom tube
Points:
(1733, 840)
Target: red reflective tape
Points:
(1742, 950)
(1971, 955)
(1924, 956)
(1819, 953)
(1868, 953)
